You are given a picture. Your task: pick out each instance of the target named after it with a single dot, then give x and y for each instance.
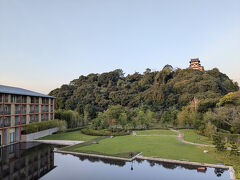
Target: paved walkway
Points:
(180, 138)
(59, 142)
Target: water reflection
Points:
(26, 161)
(218, 171)
(34, 161)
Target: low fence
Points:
(32, 136)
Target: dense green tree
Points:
(158, 90)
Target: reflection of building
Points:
(19, 107)
(26, 161)
(195, 64)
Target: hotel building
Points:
(19, 107)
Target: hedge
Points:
(104, 132)
(44, 125)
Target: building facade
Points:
(19, 107)
(195, 64)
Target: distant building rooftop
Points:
(20, 91)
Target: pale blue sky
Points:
(45, 43)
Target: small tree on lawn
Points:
(234, 147)
(218, 142)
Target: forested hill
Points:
(157, 90)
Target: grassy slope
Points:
(156, 132)
(191, 136)
(156, 146)
(74, 135)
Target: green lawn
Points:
(192, 136)
(150, 146)
(156, 132)
(74, 135)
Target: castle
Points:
(195, 64)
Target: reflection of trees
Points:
(219, 171)
(164, 164)
(106, 161)
(169, 165)
(139, 161)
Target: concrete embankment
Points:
(59, 142)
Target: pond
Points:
(38, 161)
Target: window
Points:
(1, 122)
(42, 109)
(31, 118)
(23, 121)
(51, 108)
(47, 117)
(12, 137)
(1, 109)
(1, 98)
(6, 97)
(24, 109)
(7, 109)
(36, 109)
(51, 101)
(17, 120)
(13, 98)
(43, 100)
(47, 108)
(51, 116)
(24, 99)
(18, 99)
(32, 100)
(31, 108)
(37, 118)
(17, 109)
(37, 100)
(42, 117)
(7, 121)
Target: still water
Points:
(37, 161)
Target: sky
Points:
(47, 43)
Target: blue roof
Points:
(20, 91)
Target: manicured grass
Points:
(74, 136)
(156, 132)
(150, 146)
(192, 136)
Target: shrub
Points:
(40, 126)
(218, 142)
(104, 132)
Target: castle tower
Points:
(195, 64)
